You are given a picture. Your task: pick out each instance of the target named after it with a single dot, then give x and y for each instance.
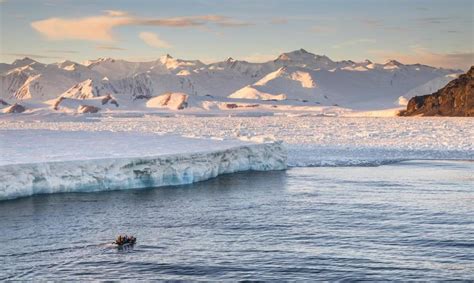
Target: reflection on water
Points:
(412, 220)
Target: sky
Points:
(433, 32)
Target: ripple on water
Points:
(405, 221)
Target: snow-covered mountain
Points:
(286, 83)
(293, 77)
(27, 79)
(88, 89)
(302, 58)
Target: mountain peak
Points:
(66, 64)
(24, 61)
(82, 90)
(26, 58)
(91, 63)
(299, 51)
(393, 63)
(302, 55)
(87, 82)
(166, 57)
(65, 61)
(295, 53)
(105, 59)
(303, 58)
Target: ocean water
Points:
(402, 221)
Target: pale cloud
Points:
(418, 54)
(90, 28)
(33, 56)
(61, 51)
(435, 20)
(192, 21)
(279, 21)
(233, 23)
(422, 21)
(153, 40)
(377, 23)
(372, 22)
(181, 21)
(353, 42)
(115, 13)
(110, 47)
(99, 28)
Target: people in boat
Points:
(122, 240)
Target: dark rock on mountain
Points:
(455, 99)
(15, 108)
(109, 99)
(84, 109)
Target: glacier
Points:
(59, 172)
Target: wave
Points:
(338, 156)
(346, 163)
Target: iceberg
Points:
(19, 179)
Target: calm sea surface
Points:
(410, 220)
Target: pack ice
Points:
(42, 161)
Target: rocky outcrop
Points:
(84, 109)
(15, 108)
(455, 99)
(58, 102)
(109, 99)
(171, 100)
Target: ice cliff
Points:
(26, 179)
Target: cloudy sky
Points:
(434, 32)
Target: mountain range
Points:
(297, 78)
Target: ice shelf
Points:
(64, 161)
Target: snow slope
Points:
(96, 161)
(431, 86)
(286, 83)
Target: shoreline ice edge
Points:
(22, 180)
